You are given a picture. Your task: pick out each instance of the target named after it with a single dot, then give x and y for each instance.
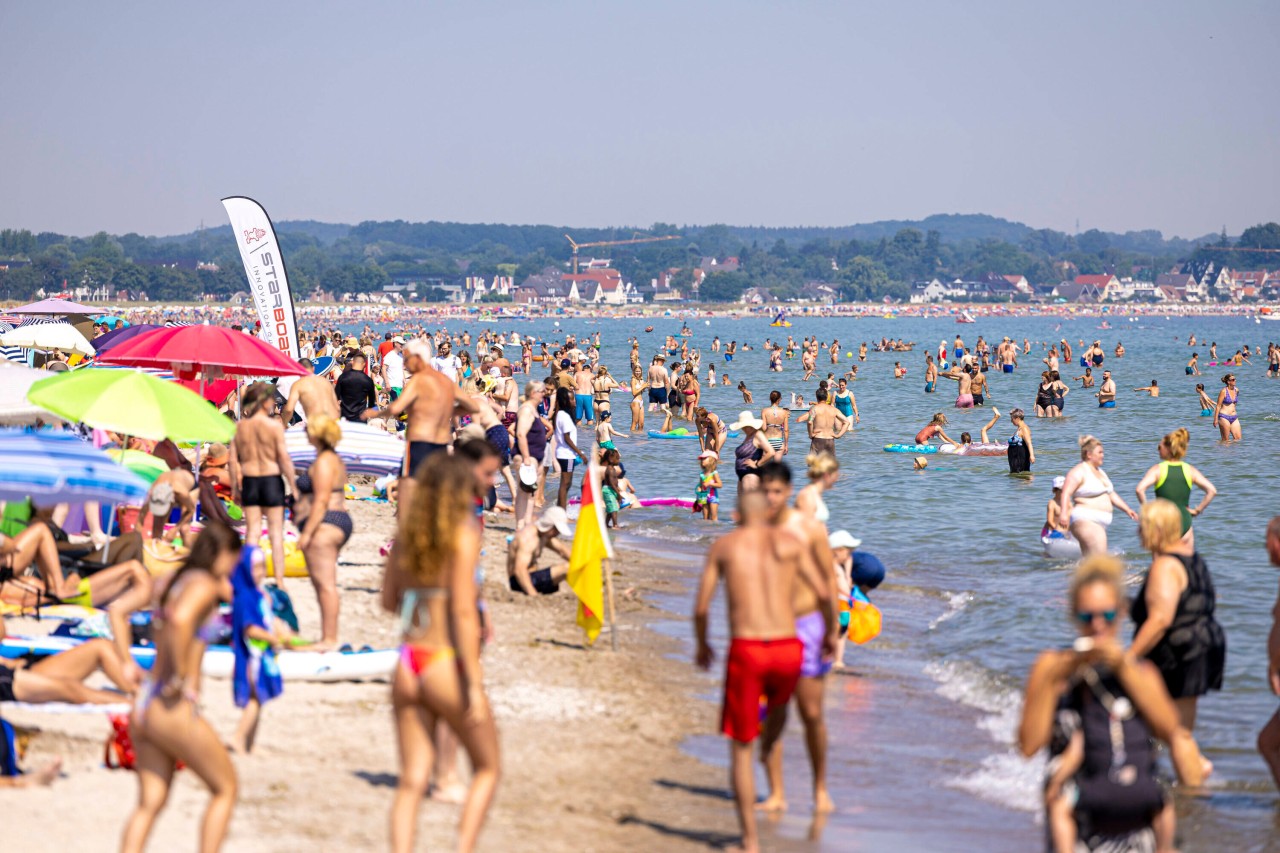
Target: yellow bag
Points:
(864, 619)
(295, 564)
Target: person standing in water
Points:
(1269, 737)
(1225, 416)
(1173, 480)
(1106, 394)
(1089, 496)
(1020, 453)
(761, 566)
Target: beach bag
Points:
(119, 753)
(864, 618)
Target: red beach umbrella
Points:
(212, 351)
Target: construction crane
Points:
(577, 246)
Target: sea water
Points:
(922, 736)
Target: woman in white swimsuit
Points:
(824, 470)
(1089, 495)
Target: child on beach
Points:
(611, 486)
(707, 496)
(257, 636)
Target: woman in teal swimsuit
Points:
(1173, 480)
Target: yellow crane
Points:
(577, 246)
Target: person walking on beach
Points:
(761, 566)
(430, 582)
(1269, 737)
(355, 390)
(431, 399)
(815, 626)
(166, 726)
(260, 465)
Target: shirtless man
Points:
(311, 395)
(170, 488)
(499, 360)
(1269, 737)
(1153, 389)
(964, 396)
(930, 374)
(762, 566)
(432, 399)
(816, 628)
(523, 574)
(826, 424)
(260, 464)
(1107, 393)
(659, 382)
(1008, 355)
(583, 391)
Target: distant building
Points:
(1076, 291)
(931, 290)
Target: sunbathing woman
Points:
(431, 582)
(58, 678)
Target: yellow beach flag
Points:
(590, 547)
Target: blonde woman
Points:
(638, 387)
(1173, 612)
(327, 525)
(1173, 480)
(824, 470)
(430, 581)
(166, 724)
(1089, 497)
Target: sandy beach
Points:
(590, 738)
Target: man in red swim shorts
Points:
(760, 565)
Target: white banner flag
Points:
(264, 265)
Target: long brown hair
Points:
(444, 501)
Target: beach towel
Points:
(8, 751)
(256, 669)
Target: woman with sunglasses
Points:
(1173, 612)
(1097, 710)
(1225, 417)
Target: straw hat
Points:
(747, 419)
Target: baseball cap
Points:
(843, 539)
(397, 340)
(528, 474)
(1059, 482)
(555, 517)
(161, 499)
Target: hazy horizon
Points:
(1123, 117)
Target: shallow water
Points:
(970, 600)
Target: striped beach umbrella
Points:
(57, 467)
(365, 449)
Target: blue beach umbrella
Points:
(57, 467)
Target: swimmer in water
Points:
(1153, 389)
(1207, 405)
(1193, 366)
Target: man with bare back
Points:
(432, 400)
(310, 396)
(260, 464)
(826, 424)
(817, 634)
(762, 567)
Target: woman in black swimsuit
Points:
(327, 526)
(1044, 396)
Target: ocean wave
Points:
(1006, 777)
(956, 602)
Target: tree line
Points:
(365, 257)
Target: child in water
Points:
(746, 395)
(257, 636)
(707, 497)
(605, 431)
(611, 485)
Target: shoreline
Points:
(591, 740)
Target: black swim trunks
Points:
(264, 492)
(420, 451)
(658, 395)
(541, 580)
(979, 400)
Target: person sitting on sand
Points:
(523, 574)
(761, 565)
(1153, 389)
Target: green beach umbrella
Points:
(147, 467)
(131, 403)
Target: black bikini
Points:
(339, 518)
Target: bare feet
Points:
(995, 411)
(772, 803)
(822, 803)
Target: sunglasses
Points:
(1086, 617)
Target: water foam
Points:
(1006, 777)
(956, 602)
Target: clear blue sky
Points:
(1123, 115)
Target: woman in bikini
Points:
(691, 390)
(1089, 496)
(777, 424)
(167, 727)
(602, 386)
(327, 525)
(638, 387)
(712, 430)
(431, 582)
(823, 470)
(1225, 417)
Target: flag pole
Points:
(607, 567)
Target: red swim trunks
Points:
(757, 667)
